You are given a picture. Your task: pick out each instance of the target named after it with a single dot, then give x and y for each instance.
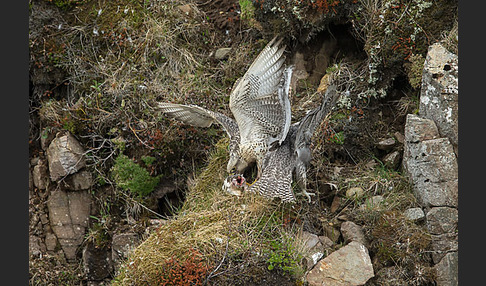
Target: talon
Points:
(307, 194)
(333, 186)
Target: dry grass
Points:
(450, 40)
(216, 224)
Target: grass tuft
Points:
(219, 226)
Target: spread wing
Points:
(259, 100)
(305, 130)
(200, 117)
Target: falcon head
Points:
(235, 185)
(236, 164)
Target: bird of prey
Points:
(293, 155)
(260, 105)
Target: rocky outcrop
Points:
(390, 150)
(353, 232)
(350, 265)
(430, 159)
(40, 175)
(69, 216)
(65, 156)
(414, 214)
(439, 94)
(314, 248)
(65, 183)
(430, 163)
(447, 270)
(122, 244)
(96, 263)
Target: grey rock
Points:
(355, 192)
(419, 129)
(414, 214)
(97, 262)
(350, 265)
(433, 170)
(400, 137)
(31, 183)
(69, 216)
(81, 180)
(353, 232)
(442, 220)
(313, 250)
(310, 240)
(43, 218)
(34, 161)
(325, 241)
(51, 241)
(40, 175)
(447, 270)
(442, 244)
(34, 246)
(222, 53)
(65, 156)
(392, 160)
(122, 244)
(439, 93)
(386, 144)
(430, 164)
(373, 203)
(331, 232)
(390, 276)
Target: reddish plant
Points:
(404, 45)
(190, 271)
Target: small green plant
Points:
(247, 9)
(148, 160)
(65, 4)
(98, 234)
(282, 255)
(96, 85)
(128, 175)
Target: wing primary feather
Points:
(199, 117)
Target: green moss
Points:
(65, 4)
(148, 160)
(130, 176)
